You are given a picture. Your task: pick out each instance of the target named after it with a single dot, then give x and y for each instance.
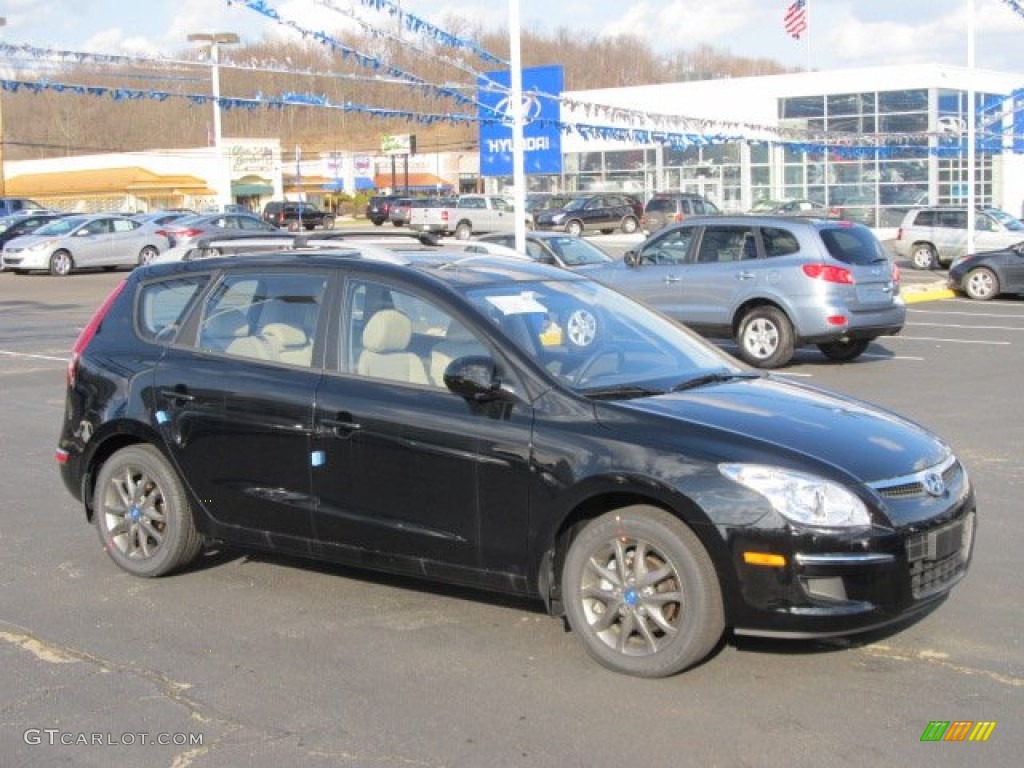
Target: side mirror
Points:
(631, 258)
(474, 377)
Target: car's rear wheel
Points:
(641, 592)
(844, 350)
(981, 284)
(61, 264)
(142, 514)
(765, 337)
(147, 254)
(574, 227)
(923, 256)
(630, 225)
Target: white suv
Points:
(932, 237)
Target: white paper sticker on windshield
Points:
(524, 303)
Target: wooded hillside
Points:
(49, 123)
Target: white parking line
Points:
(33, 357)
(973, 327)
(951, 341)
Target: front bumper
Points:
(836, 584)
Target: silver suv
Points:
(932, 237)
(772, 283)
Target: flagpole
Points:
(808, 35)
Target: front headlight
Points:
(42, 245)
(802, 498)
(558, 218)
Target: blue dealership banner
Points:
(542, 87)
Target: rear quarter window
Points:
(163, 306)
(852, 245)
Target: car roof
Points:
(765, 219)
(453, 267)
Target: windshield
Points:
(1012, 223)
(575, 251)
(595, 340)
(61, 226)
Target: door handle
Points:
(673, 279)
(744, 275)
(337, 427)
(172, 394)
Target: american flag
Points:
(796, 19)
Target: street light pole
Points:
(221, 178)
(3, 177)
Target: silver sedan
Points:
(75, 242)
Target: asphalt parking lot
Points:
(258, 661)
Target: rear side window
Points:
(163, 306)
(660, 205)
(270, 317)
(852, 245)
(779, 242)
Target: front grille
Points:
(914, 486)
(939, 556)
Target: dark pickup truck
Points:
(297, 216)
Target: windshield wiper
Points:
(625, 392)
(713, 378)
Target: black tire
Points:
(61, 263)
(607, 231)
(378, 223)
(923, 256)
(630, 225)
(765, 337)
(142, 514)
(147, 254)
(574, 227)
(844, 351)
(649, 620)
(463, 230)
(981, 284)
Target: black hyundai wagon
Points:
(505, 425)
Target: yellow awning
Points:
(108, 181)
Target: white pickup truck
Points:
(466, 216)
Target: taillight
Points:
(444, 215)
(899, 233)
(678, 217)
(89, 331)
(829, 273)
(896, 274)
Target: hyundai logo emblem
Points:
(531, 109)
(933, 484)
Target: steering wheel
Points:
(580, 374)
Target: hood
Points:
(854, 437)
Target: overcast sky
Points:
(844, 33)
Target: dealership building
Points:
(872, 141)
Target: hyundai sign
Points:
(542, 139)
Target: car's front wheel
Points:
(641, 592)
(845, 350)
(765, 337)
(463, 231)
(61, 263)
(142, 514)
(981, 284)
(923, 256)
(574, 227)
